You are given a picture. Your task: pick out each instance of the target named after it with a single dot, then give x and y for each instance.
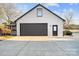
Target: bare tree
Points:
(68, 17)
(8, 11)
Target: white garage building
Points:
(39, 21)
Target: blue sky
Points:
(58, 8)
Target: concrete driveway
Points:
(39, 48)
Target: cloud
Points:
(71, 10)
(68, 10)
(76, 21)
(73, 4)
(51, 4)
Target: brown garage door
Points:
(33, 29)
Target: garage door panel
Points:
(33, 29)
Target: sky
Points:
(58, 8)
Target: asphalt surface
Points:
(39, 48)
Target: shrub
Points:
(6, 31)
(67, 32)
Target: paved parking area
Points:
(39, 48)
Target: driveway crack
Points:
(22, 48)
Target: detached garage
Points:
(39, 21)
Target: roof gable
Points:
(34, 8)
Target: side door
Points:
(55, 30)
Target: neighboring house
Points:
(39, 21)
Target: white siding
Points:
(47, 17)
